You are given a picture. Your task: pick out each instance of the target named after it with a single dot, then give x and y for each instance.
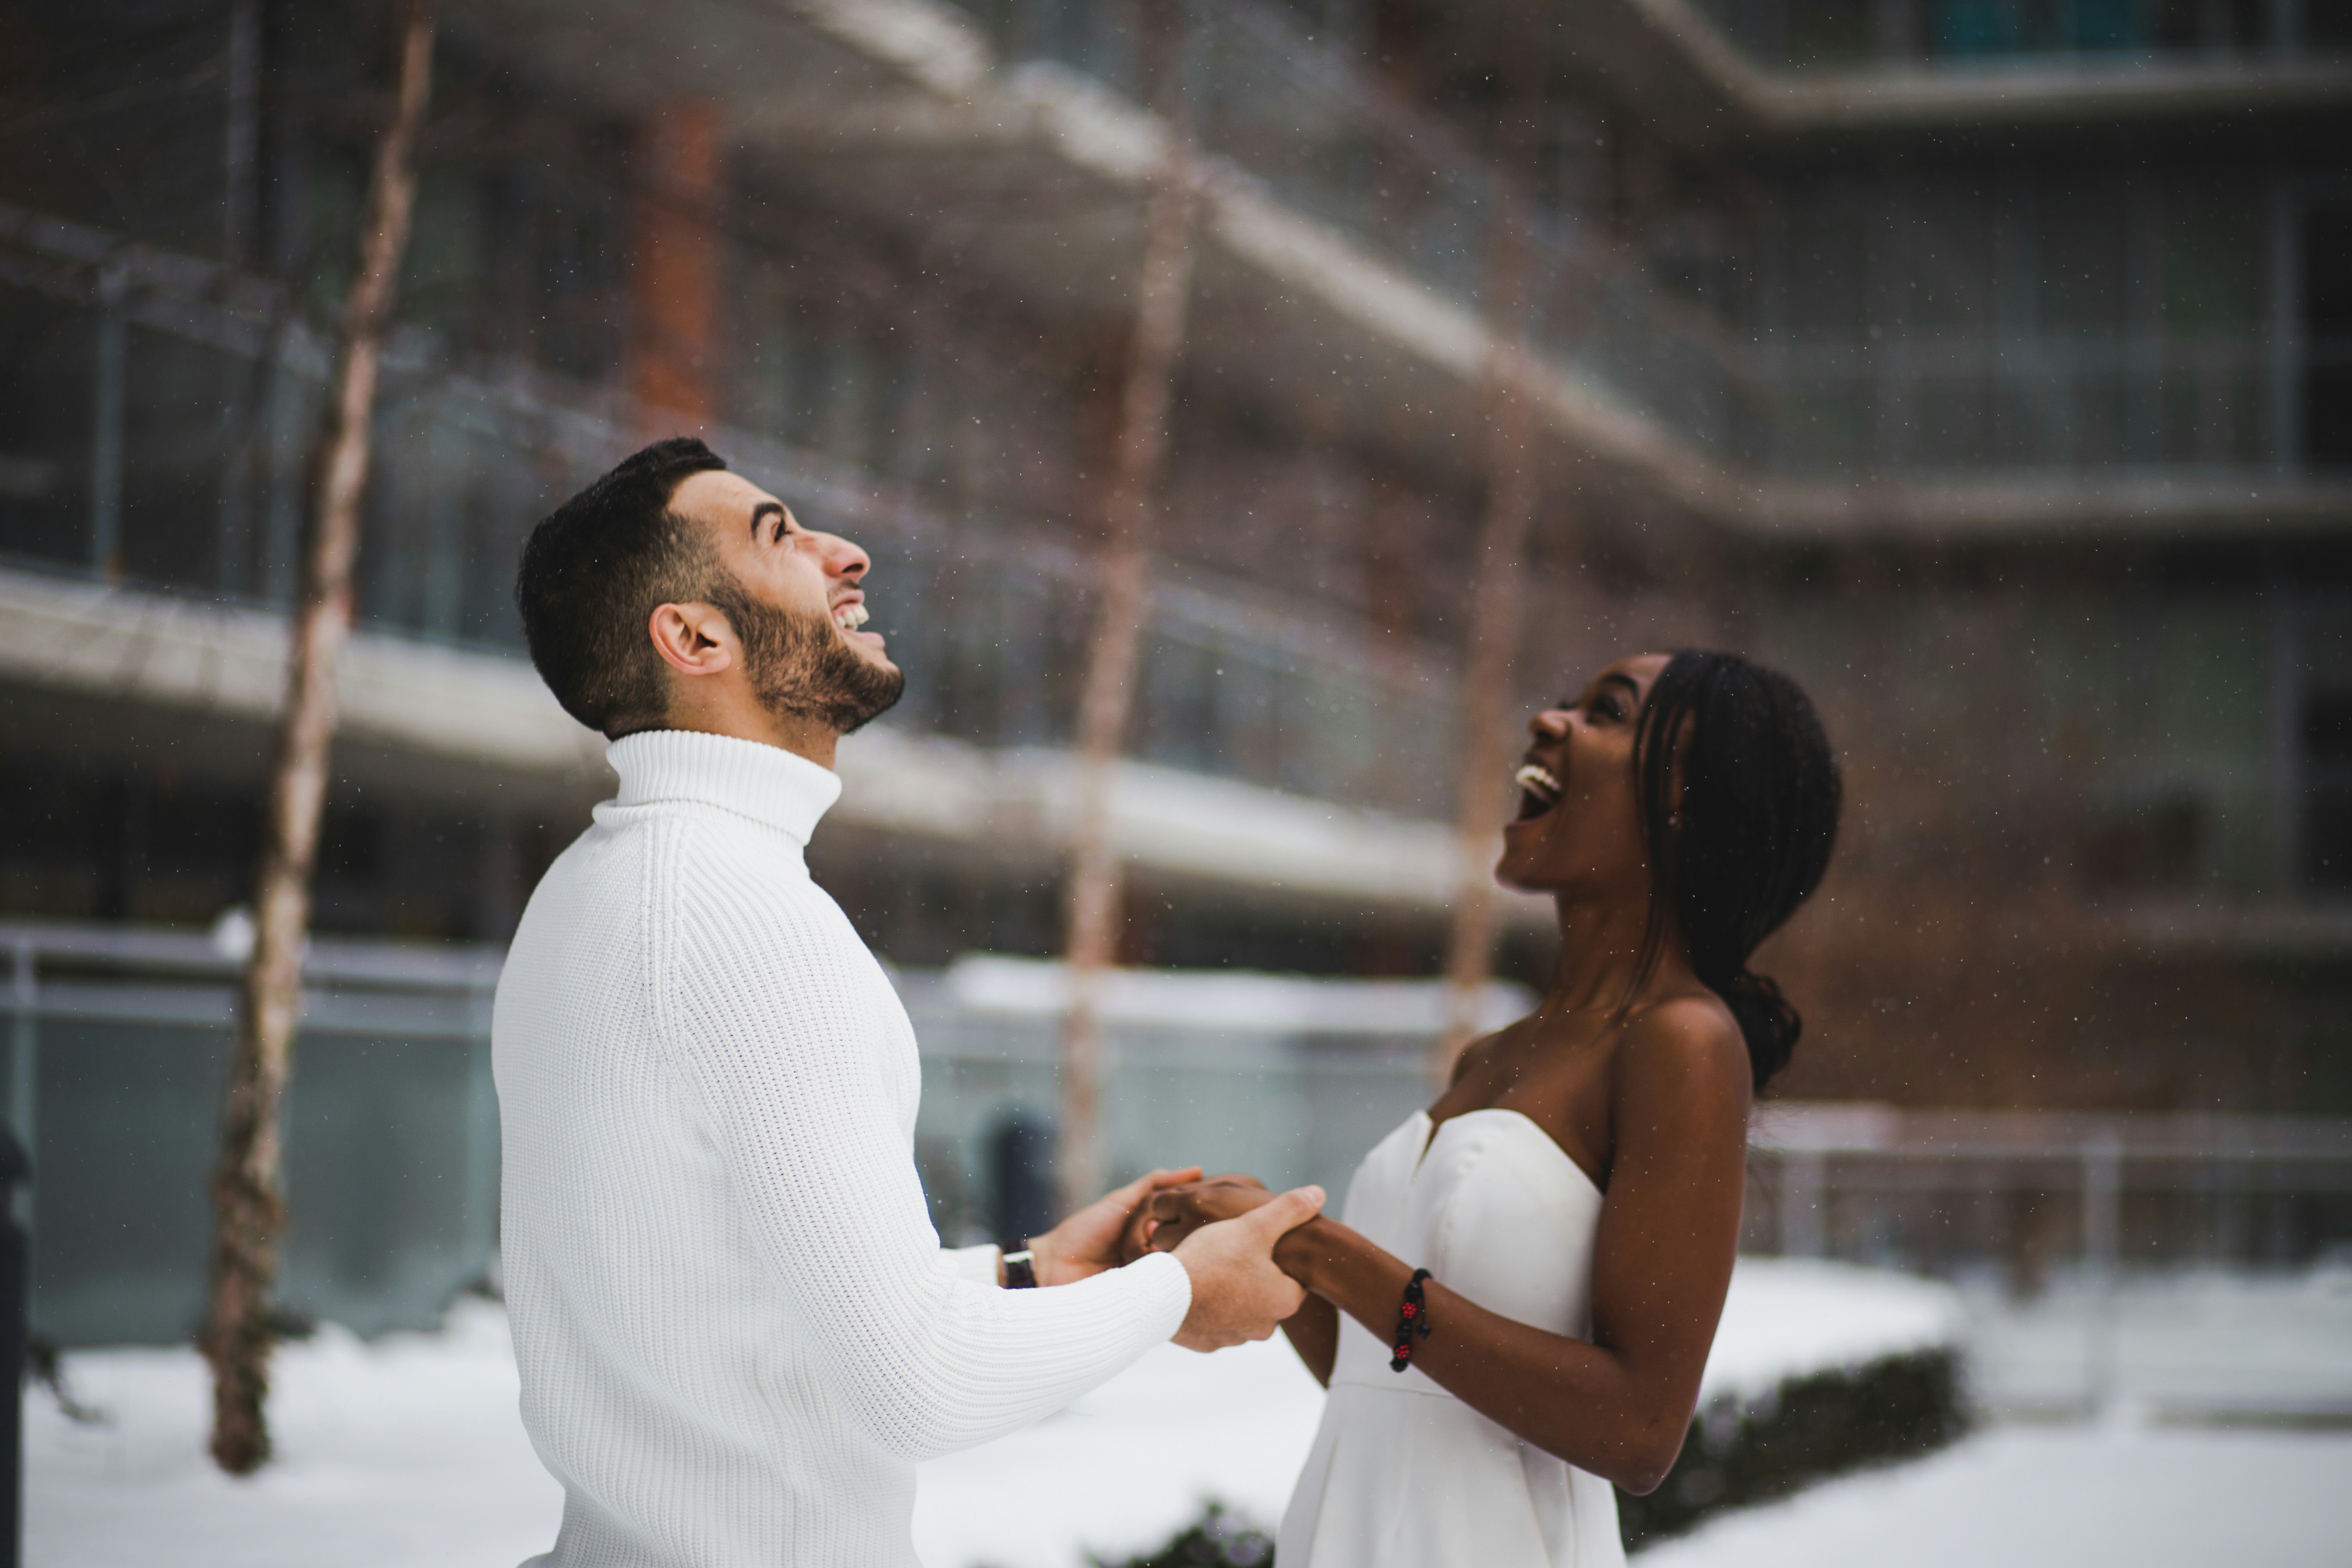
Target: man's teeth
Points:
(849, 617)
(1537, 780)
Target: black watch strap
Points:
(1021, 1270)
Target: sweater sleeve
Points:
(769, 1019)
(977, 1264)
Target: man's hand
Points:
(1237, 1292)
(1089, 1241)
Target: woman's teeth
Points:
(849, 617)
(1538, 790)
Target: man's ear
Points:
(692, 638)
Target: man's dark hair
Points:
(593, 570)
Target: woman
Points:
(1548, 1343)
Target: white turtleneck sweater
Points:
(736, 1328)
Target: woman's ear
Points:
(692, 638)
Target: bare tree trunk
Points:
(1513, 485)
(1108, 697)
(1483, 805)
(249, 1206)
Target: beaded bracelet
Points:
(1413, 1319)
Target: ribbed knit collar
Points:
(766, 784)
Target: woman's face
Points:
(1579, 827)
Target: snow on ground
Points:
(408, 1452)
(2197, 1341)
(1129, 1464)
(2073, 1497)
(1790, 1316)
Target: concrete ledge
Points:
(1969, 507)
(180, 653)
(481, 708)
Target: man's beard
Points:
(799, 668)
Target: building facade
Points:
(1984, 363)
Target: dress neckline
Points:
(1429, 1141)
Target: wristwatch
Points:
(1021, 1270)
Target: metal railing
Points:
(2141, 1257)
(2031, 1190)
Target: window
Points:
(2322, 740)
(2327, 838)
(2328, 335)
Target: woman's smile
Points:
(1539, 790)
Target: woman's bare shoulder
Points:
(1685, 1047)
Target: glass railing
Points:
(1296, 114)
(159, 440)
(117, 1040)
(2086, 406)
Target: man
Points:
(736, 1328)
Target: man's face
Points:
(794, 599)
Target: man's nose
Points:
(843, 559)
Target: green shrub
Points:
(1216, 1540)
(1737, 1453)
(1808, 1428)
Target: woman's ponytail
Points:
(1739, 795)
(1766, 1021)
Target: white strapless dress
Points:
(1402, 1474)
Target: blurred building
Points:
(1987, 363)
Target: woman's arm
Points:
(1619, 1405)
(1313, 1331)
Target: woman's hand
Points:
(1095, 1238)
(1177, 1211)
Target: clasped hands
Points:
(1175, 1210)
(1223, 1229)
